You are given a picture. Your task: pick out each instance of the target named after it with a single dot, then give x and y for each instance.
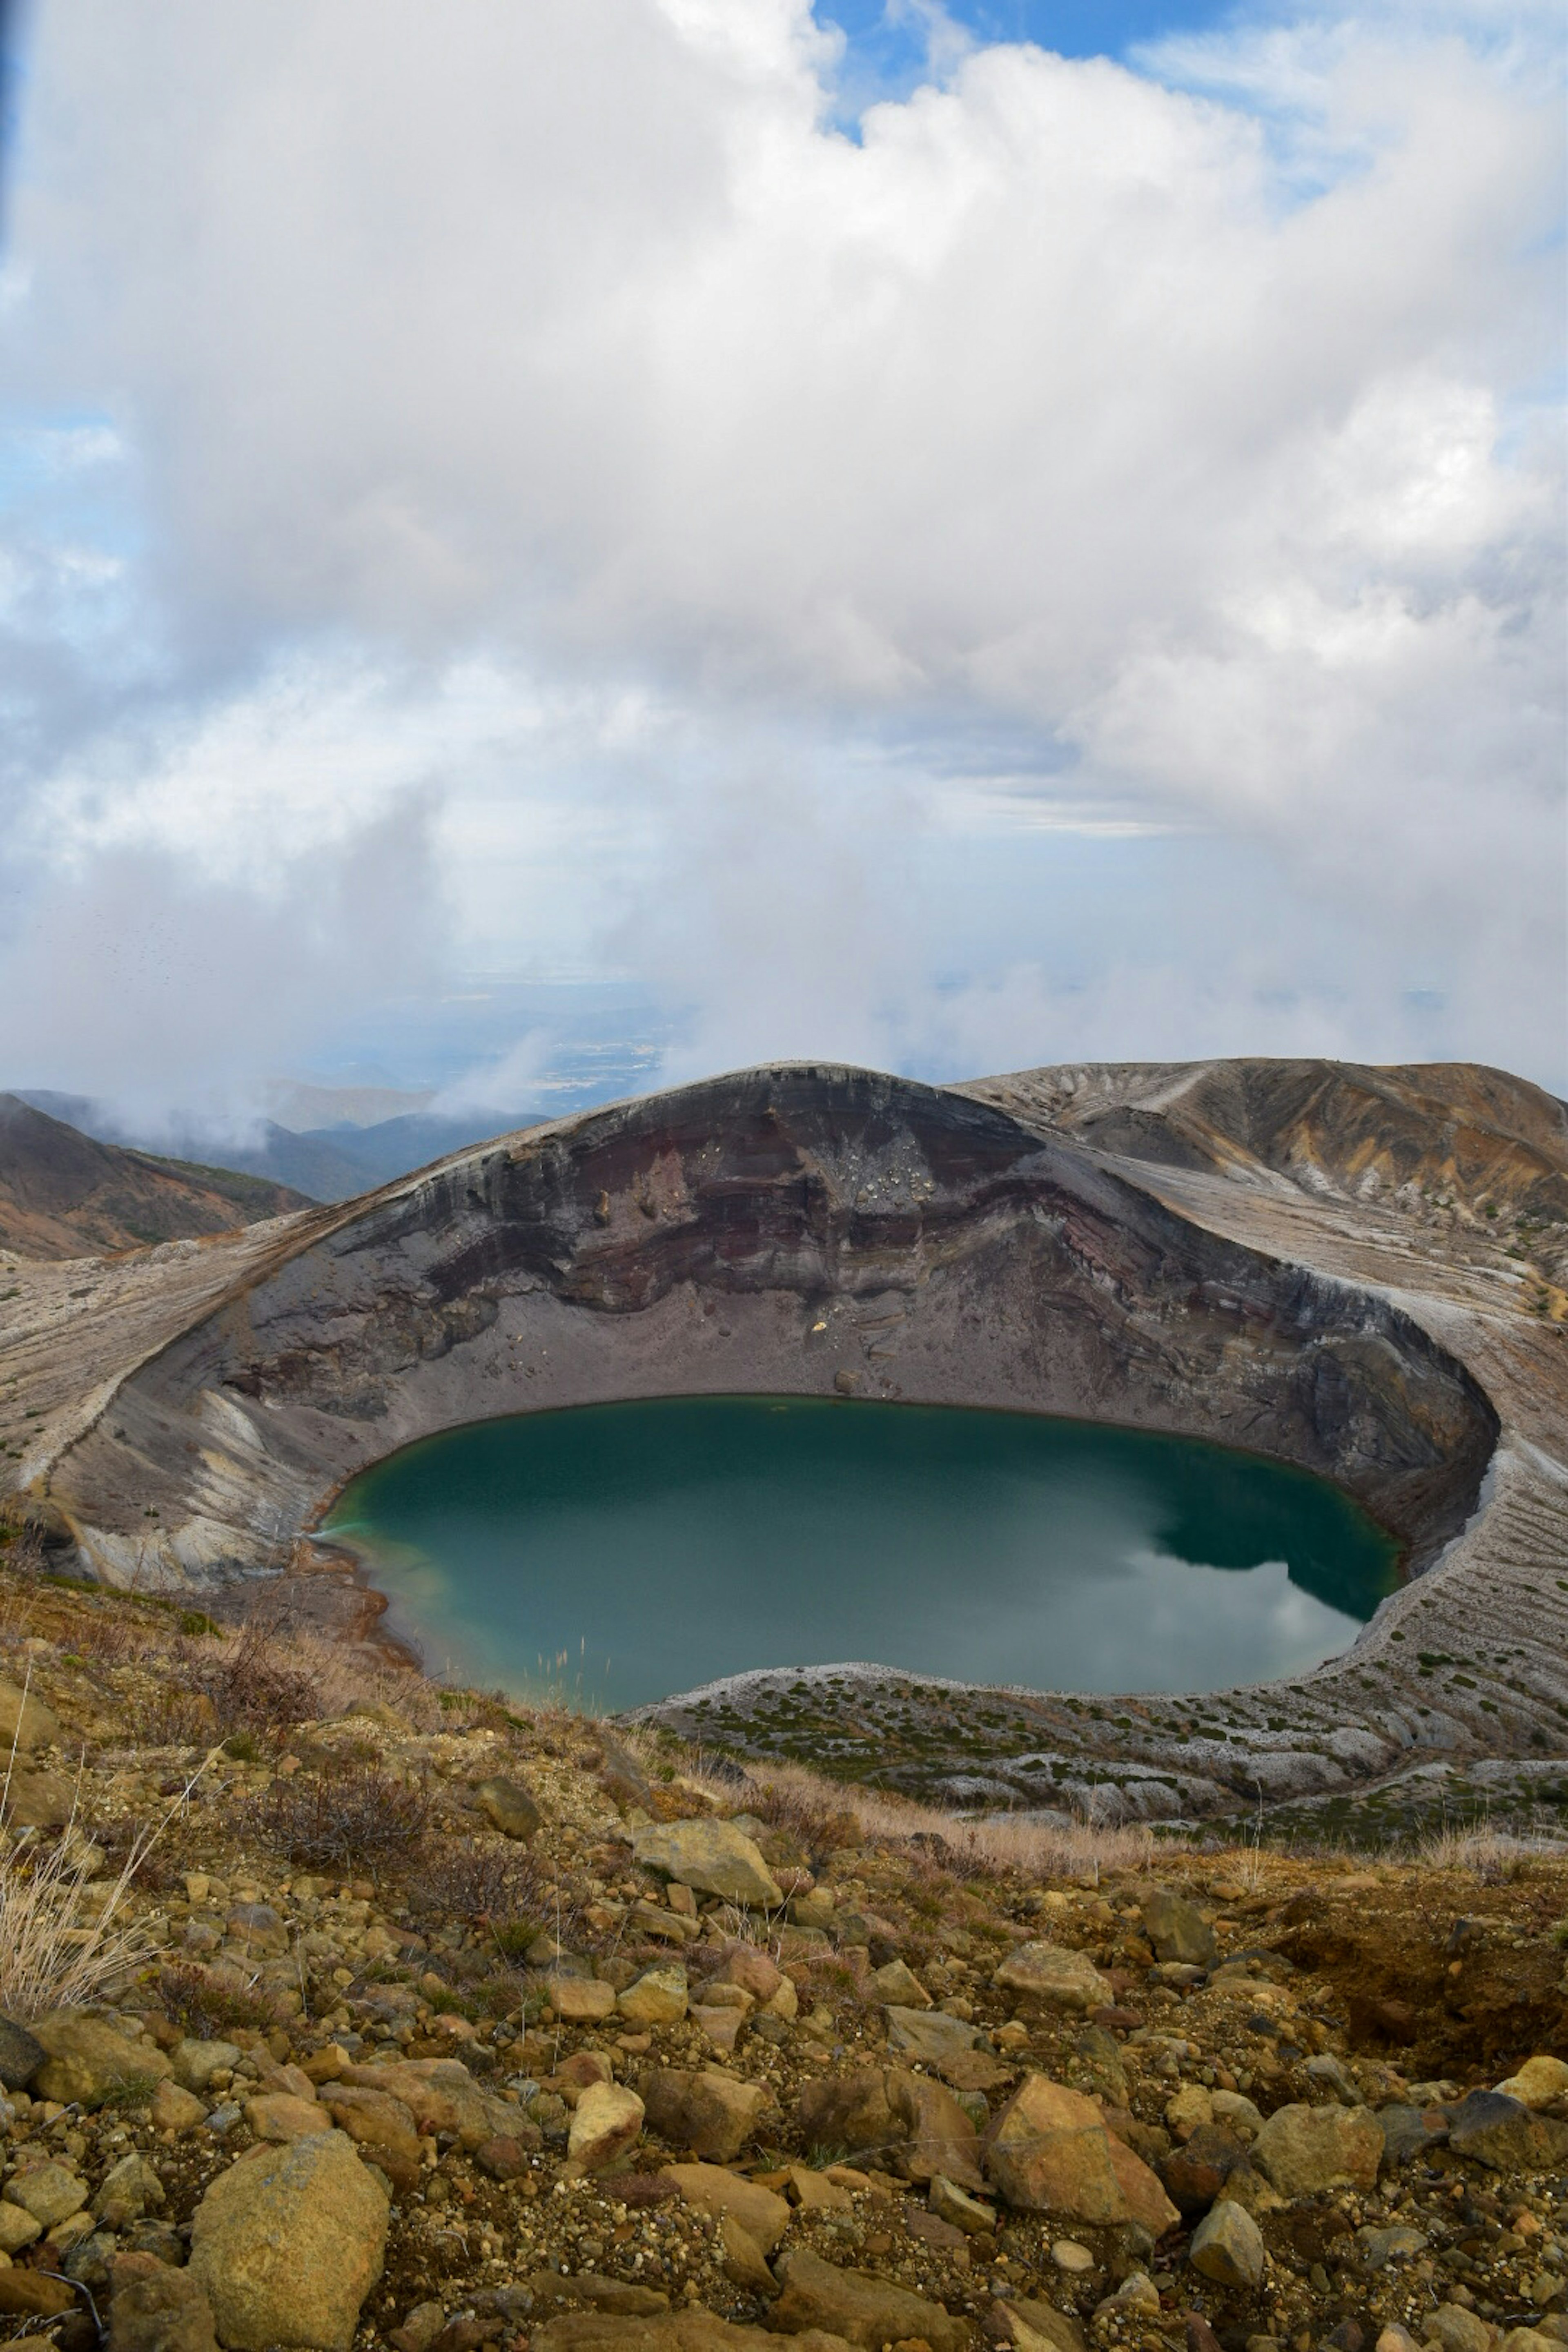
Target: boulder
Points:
(710, 1856)
(859, 2307)
(162, 2310)
(1177, 1929)
(1227, 2247)
(702, 2108)
(1060, 1978)
(21, 2055)
(287, 2244)
(1503, 2133)
(1049, 2151)
(712, 2188)
(26, 1722)
(1304, 2150)
(607, 2121)
(86, 2060)
(509, 1808)
(659, 1997)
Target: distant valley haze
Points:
(548, 550)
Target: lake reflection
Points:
(630, 1551)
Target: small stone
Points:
(381, 2124)
(1541, 2081)
(712, 2189)
(1060, 1978)
(1035, 2326)
(713, 1857)
(1379, 2247)
(1508, 2135)
(1191, 2106)
(859, 2307)
(1177, 1929)
(1409, 2132)
(173, 2110)
(162, 2311)
(87, 2061)
(278, 2115)
(1458, 2330)
(420, 2328)
(815, 2193)
(850, 2110)
(741, 2259)
(711, 2112)
(1304, 2150)
(1395, 2338)
(899, 1984)
(18, 2228)
(1071, 2257)
(1137, 2297)
(659, 1997)
(47, 2192)
(20, 2055)
(257, 1932)
(929, 2035)
(196, 2063)
(581, 2000)
(503, 2157)
(1227, 2247)
(509, 1808)
(287, 2244)
(128, 2190)
(26, 1723)
(754, 1972)
(607, 2121)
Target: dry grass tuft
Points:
(1492, 1855)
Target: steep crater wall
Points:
(805, 1230)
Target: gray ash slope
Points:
(1309, 1271)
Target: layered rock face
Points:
(805, 1231)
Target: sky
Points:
(945, 538)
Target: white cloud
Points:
(549, 410)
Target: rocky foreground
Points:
(441, 2025)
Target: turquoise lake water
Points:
(625, 1551)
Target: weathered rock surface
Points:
(712, 1856)
(859, 2306)
(711, 2112)
(1048, 2151)
(1305, 2150)
(87, 2061)
(1064, 1978)
(287, 2244)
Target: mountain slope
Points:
(63, 1195)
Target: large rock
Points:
(509, 1808)
(703, 2109)
(1227, 2247)
(1060, 1978)
(287, 2244)
(711, 1857)
(26, 1722)
(196, 2063)
(1496, 2130)
(1177, 1929)
(128, 2190)
(607, 2122)
(1304, 2150)
(859, 2307)
(712, 2190)
(580, 2001)
(1049, 2151)
(49, 2191)
(87, 2060)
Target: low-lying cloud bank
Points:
(726, 532)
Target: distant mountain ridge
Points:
(328, 1163)
(63, 1195)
